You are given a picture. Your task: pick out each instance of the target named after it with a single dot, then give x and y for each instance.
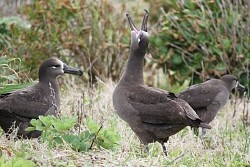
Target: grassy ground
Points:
(227, 144)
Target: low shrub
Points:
(202, 39)
(58, 131)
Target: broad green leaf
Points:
(1, 160)
(58, 140)
(92, 125)
(18, 162)
(69, 122)
(24, 163)
(35, 122)
(30, 129)
(84, 147)
(86, 135)
(14, 87)
(40, 127)
(69, 137)
(59, 126)
(46, 120)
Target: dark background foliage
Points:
(202, 39)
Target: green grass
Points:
(13, 87)
(227, 144)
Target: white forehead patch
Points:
(61, 63)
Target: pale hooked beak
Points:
(143, 26)
(240, 87)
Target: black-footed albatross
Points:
(19, 107)
(209, 97)
(153, 114)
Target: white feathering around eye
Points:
(138, 36)
(61, 65)
(144, 34)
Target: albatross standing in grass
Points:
(209, 97)
(19, 107)
(153, 114)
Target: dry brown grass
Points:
(223, 145)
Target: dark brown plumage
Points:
(19, 107)
(209, 97)
(153, 114)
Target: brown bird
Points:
(153, 114)
(209, 97)
(19, 107)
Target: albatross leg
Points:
(196, 131)
(145, 148)
(164, 147)
(203, 132)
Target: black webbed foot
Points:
(164, 149)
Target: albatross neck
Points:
(133, 74)
(51, 87)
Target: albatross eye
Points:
(56, 66)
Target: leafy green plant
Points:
(8, 72)
(81, 142)
(52, 128)
(16, 162)
(105, 137)
(13, 87)
(9, 79)
(58, 131)
(202, 39)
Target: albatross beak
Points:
(71, 70)
(131, 24)
(143, 26)
(144, 22)
(240, 87)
